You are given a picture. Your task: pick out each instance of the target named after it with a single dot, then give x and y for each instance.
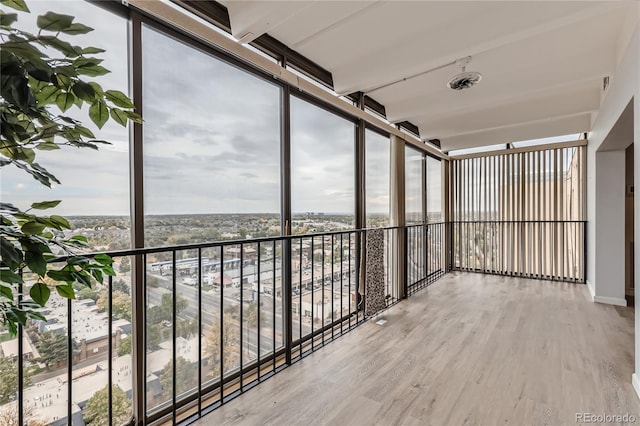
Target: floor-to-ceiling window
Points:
(211, 172)
(435, 253)
(94, 190)
(377, 178)
(211, 147)
(414, 185)
(322, 199)
(322, 169)
(414, 189)
(434, 190)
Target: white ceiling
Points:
(542, 61)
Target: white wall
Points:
(625, 85)
(603, 257)
(609, 231)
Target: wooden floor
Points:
(471, 349)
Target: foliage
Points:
(154, 336)
(230, 343)
(186, 328)
(159, 321)
(243, 232)
(125, 346)
(96, 412)
(88, 293)
(121, 286)
(125, 265)
(32, 85)
(232, 310)
(9, 382)
(186, 377)
(52, 347)
(164, 312)
(9, 417)
(251, 314)
(120, 304)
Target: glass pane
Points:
(413, 160)
(94, 185)
(94, 191)
(414, 196)
(159, 330)
(211, 146)
(434, 190)
(544, 141)
(187, 323)
(322, 169)
(377, 166)
(475, 150)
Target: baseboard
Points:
(610, 300)
(603, 299)
(592, 290)
(635, 380)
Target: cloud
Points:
(211, 138)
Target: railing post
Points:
(138, 275)
(361, 268)
(138, 350)
(584, 260)
(20, 361)
(448, 246)
(286, 298)
(285, 200)
(426, 244)
(404, 231)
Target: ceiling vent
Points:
(465, 79)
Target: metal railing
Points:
(218, 319)
(550, 250)
(425, 251)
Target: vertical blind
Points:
(521, 213)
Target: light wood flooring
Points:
(471, 349)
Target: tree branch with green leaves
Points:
(42, 76)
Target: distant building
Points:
(10, 349)
(98, 345)
(321, 304)
(249, 253)
(225, 280)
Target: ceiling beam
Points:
(521, 131)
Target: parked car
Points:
(190, 281)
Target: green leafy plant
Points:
(36, 91)
(96, 412)
(9, 382)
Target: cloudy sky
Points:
(211, 139)
(92, 182)
(413, 185)
(211, 133)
